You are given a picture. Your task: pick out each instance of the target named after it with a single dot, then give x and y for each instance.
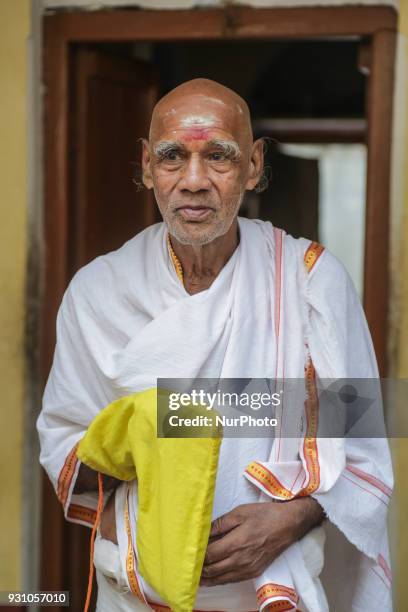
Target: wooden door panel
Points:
(111, 109)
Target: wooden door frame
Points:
(377, 25)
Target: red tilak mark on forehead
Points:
(196, 134)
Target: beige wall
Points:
(401, 325)
(403, 335)
(14, 29)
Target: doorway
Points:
(332, 75)
(291, 86)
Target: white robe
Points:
(126, 320)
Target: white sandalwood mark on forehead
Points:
(198, 120)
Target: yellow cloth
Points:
(176, 481)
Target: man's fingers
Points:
(221, 567)
(224, 524)
(222, 548)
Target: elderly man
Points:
(208, 294)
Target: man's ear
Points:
(256, 164)
(147, 175)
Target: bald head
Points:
(203, 104)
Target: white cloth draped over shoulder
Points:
(126, 319)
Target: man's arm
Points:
(246, 540)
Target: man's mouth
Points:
(194, 213)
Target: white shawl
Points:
(126, 320)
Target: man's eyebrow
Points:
(230, 148)
(164, 146)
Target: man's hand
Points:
(246, 540)
(87, 480)
(107, 527)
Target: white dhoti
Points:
(114, 593)
(126, 320)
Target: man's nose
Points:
(195, 176)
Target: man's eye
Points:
(217, 156)
(171, 156)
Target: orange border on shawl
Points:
(66, 474)
(279, 606)
(175, 259)
(312, 255)
(310, 450)
(75, 512)
(130, 558)
(268, 480)
(270, 589)
(81, 513)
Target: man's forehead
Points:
(197, 116)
